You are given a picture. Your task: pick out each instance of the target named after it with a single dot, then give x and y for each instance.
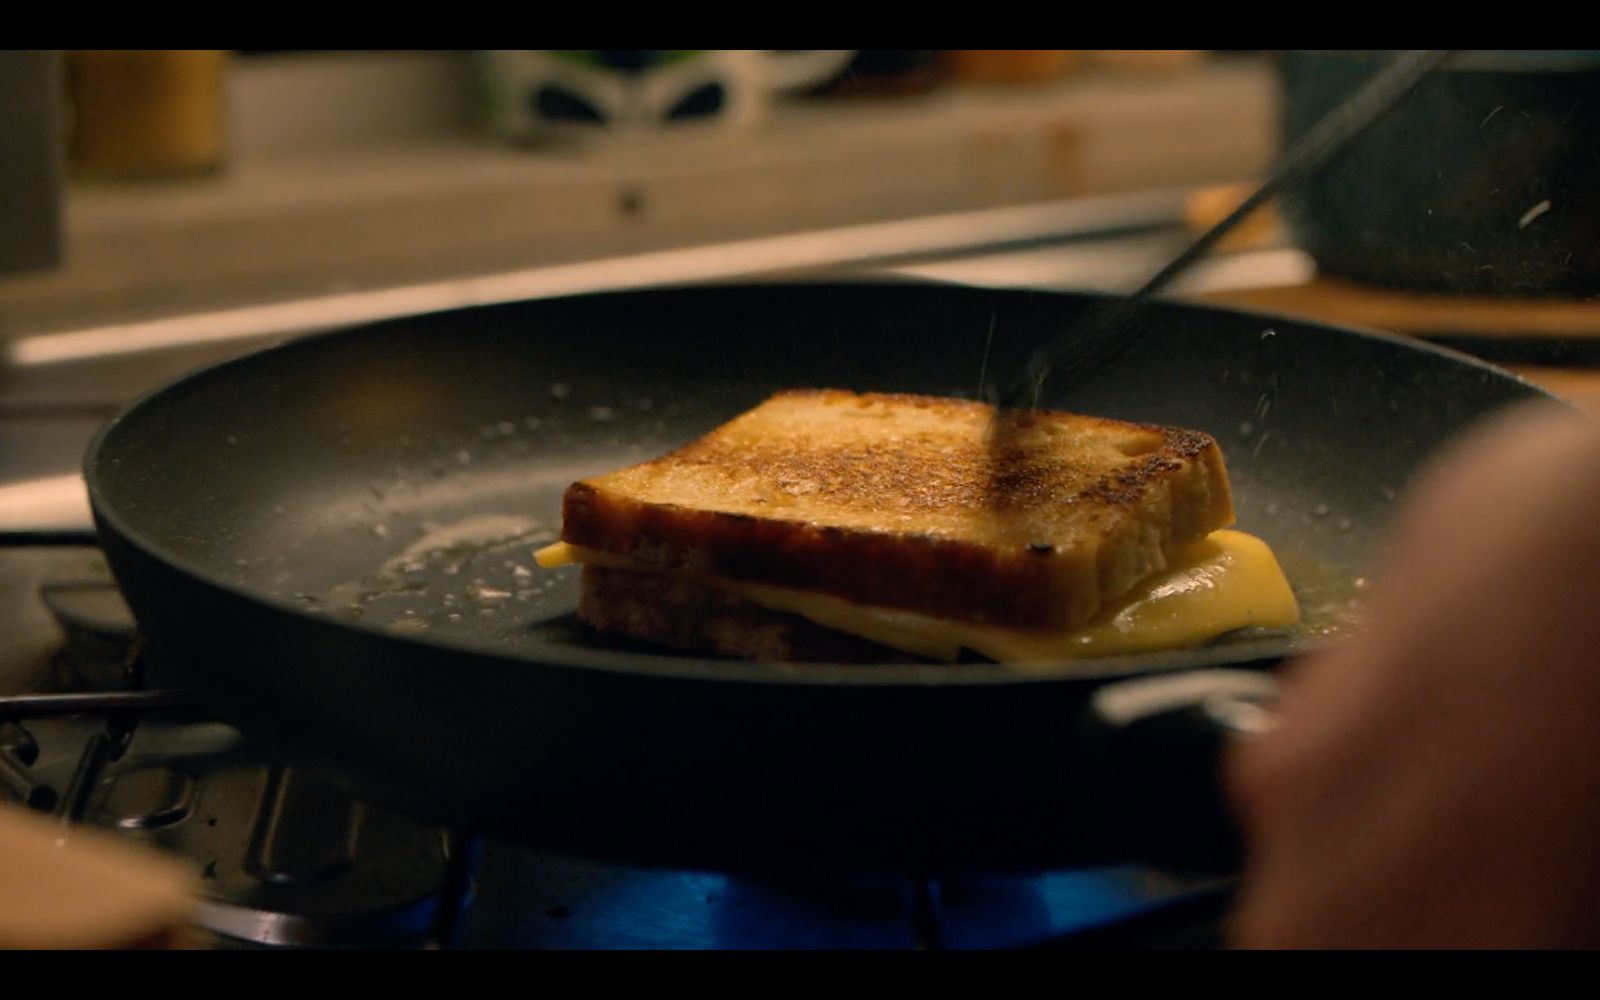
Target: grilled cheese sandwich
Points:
(902, 521)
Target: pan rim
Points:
(1241, 654)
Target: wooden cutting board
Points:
(1461, 320)
(1337, 301)
(1465, 322)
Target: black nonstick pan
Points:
(331, 541)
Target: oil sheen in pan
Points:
(475, 578)
(456, 574)
(1330, 597)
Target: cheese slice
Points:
(1227, 581)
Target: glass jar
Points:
(145, 113)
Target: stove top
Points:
(92, 736)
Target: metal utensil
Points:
(1107, 333)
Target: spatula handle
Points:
(1108, 333)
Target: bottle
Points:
(1012, 66)
(145, 113)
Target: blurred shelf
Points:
(347, 199)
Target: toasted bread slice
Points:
(1034, 520)
(702, 618)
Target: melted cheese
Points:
(1227, 581)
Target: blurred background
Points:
(205, 179)
(149, 185)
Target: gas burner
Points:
(530, 900)
(287, 859)
(18, 751)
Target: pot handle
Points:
(1154, 749)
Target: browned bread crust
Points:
(1035, 520)
(698, 618)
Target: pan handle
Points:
(1154, 747)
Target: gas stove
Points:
(94, 736)
(91, 736)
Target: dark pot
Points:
(1485, 180)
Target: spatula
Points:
(1108, 332)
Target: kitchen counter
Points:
(328, 205)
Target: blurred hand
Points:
(1436, 782)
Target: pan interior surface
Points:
(396, 478)
(332, 542)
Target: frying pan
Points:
(330, 540)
